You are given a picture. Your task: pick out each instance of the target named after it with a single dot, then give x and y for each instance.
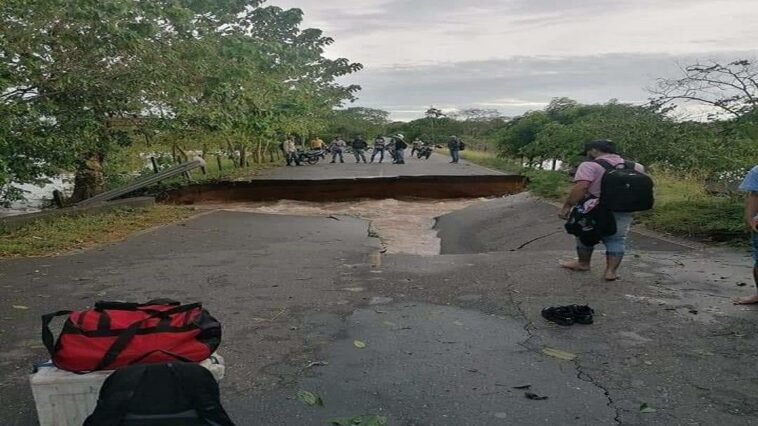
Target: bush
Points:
(548, 184)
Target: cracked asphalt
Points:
(448, 338)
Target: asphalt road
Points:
(448, 338)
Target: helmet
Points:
(400, 136)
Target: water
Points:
(39, 197)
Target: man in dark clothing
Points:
(359, 149)
(454, 145)
(379, 145)
(400, 146)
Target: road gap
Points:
(404, 226)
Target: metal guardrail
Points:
(177, 170)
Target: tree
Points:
(358, 121)
(70, 70)
(730, 88)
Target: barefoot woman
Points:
(751, 217)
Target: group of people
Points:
(395, 146)
(594, 188)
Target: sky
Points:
(517, 55)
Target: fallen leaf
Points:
(360, 421)
(317, 364)
(458, 323)
(557, 353)
(358, 344)
(534, 396)
(21, 307)
(389, 324)
(645, 408)
(524, 387)
(309, 398)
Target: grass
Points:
(543, 183)
(65, 234)
(683, 206)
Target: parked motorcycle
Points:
(312, 156)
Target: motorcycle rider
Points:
(359, 149)
(417, 145)
(317, 143)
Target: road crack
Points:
(535, 240)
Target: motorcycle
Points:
(424, 152)
(311, 156)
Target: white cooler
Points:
(67, 399)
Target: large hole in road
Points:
(403, 226)
(402, 210)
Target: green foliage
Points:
(548, 184)
(356, 121)
(79, 81)
(716, 149)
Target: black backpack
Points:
(173, 394)
(624, 189)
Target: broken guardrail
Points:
(177, 170)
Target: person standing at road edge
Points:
(379, 145)
(400, 146)
(359, 149)
(588, 183)
(338, 148)
(750, 185)
(454, 145)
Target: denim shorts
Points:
(615, 245)
(755, 249)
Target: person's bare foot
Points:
(611, 276)
(750, 301)
(574, 265)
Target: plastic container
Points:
(67, 399)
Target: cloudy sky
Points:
(516, 55)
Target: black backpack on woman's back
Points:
(624, 189)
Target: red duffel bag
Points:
(116, 334)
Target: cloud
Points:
(519, 84)
(479, 52)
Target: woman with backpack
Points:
(607, 189)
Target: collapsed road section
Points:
(396, 187)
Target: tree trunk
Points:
(243, 162)
(89, 179)
(555, 163)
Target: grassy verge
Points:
(683, 206)
(543, 183)
(64, 234)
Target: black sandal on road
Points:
(561, 315)
(583, 314)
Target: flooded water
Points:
(39, 197)
(403, 226)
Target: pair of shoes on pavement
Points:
(569, 315)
